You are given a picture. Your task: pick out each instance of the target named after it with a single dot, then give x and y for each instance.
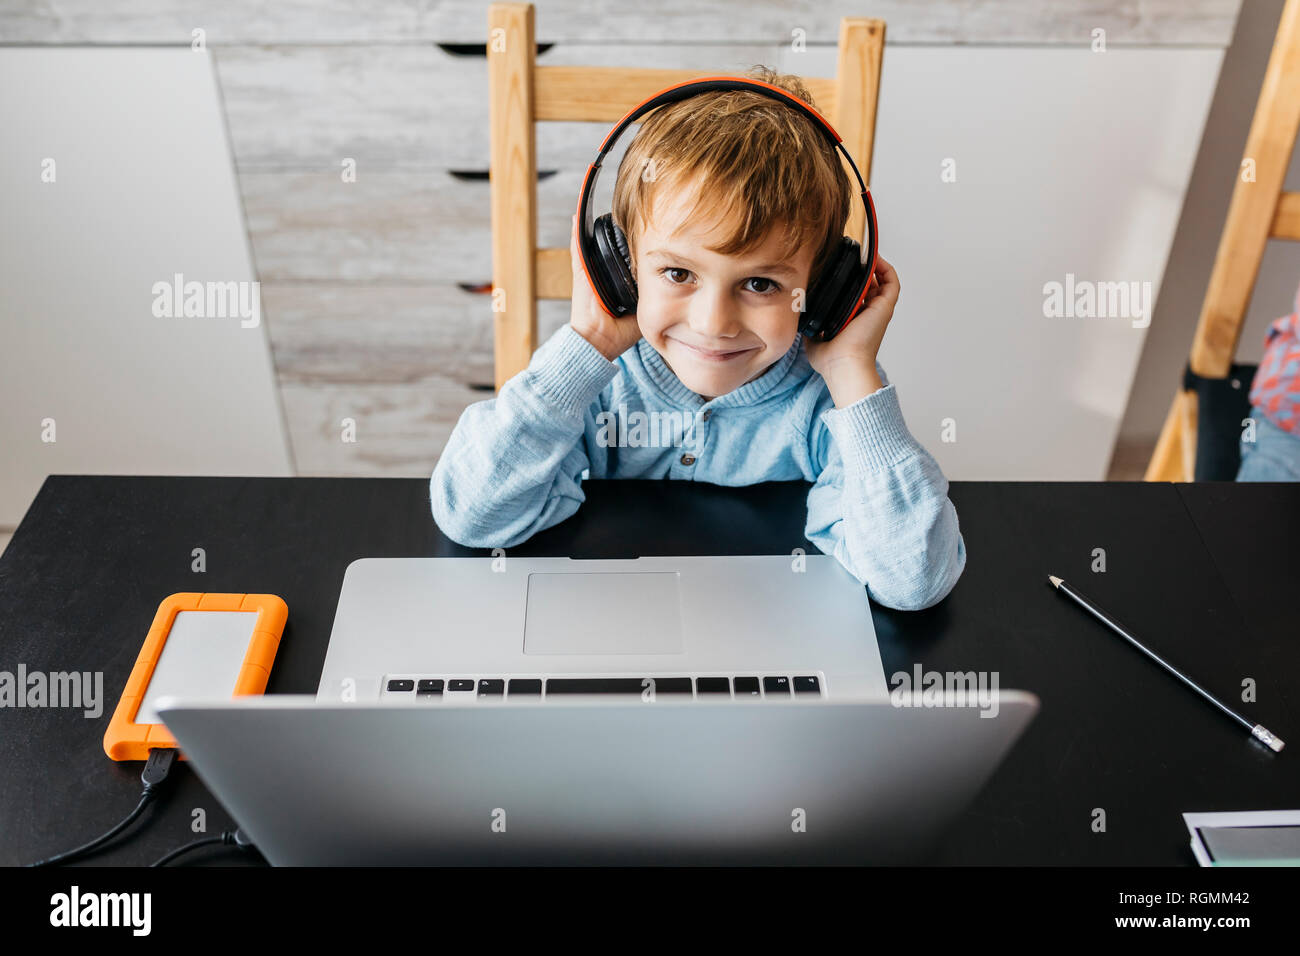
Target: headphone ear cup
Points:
(620, 241)
(828, 302)
(615, 263)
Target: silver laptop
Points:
(438, 630)
(594, 779)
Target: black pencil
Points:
(1258, 731)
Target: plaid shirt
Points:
(1276, 389)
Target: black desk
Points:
(1205, 573)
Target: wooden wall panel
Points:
(1131, 22)
(409, 105)
(354, 333)
(419, 225)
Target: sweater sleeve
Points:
(880, 503)
(514, 464)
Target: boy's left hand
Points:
(848, 361)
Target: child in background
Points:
(1274, 455)
(747, 203)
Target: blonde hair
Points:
(758, 163)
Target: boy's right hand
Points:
(609, 335)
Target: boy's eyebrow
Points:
(775, 267)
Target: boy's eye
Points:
(671, 273)
(770, 289)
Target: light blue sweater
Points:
(879, 503)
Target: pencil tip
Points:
(1056, 582)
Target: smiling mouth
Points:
(713, 356)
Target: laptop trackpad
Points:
(603, 612)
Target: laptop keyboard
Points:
(770, 687)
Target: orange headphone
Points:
(834, 299)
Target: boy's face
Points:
(718, 321)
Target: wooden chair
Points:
(1259, 211)
(522, 93)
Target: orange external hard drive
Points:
(200, 645)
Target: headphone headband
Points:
(707, 84)
(685, 90)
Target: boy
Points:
(710, 380)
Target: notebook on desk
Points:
(762, 627)
(698, 710)
(590, 780)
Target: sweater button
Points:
(688, 459)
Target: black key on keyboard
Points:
(672, 685)
(525, 686)
(807, 685)
(401, 683)
(593, 685)
(712, 685)
(460, 685)
(491, 687)
(617, 685)
(429, 687)
(746, 686)
(776, 686)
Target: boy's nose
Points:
(714, 317)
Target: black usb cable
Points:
(235, 837)
(155, 772)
